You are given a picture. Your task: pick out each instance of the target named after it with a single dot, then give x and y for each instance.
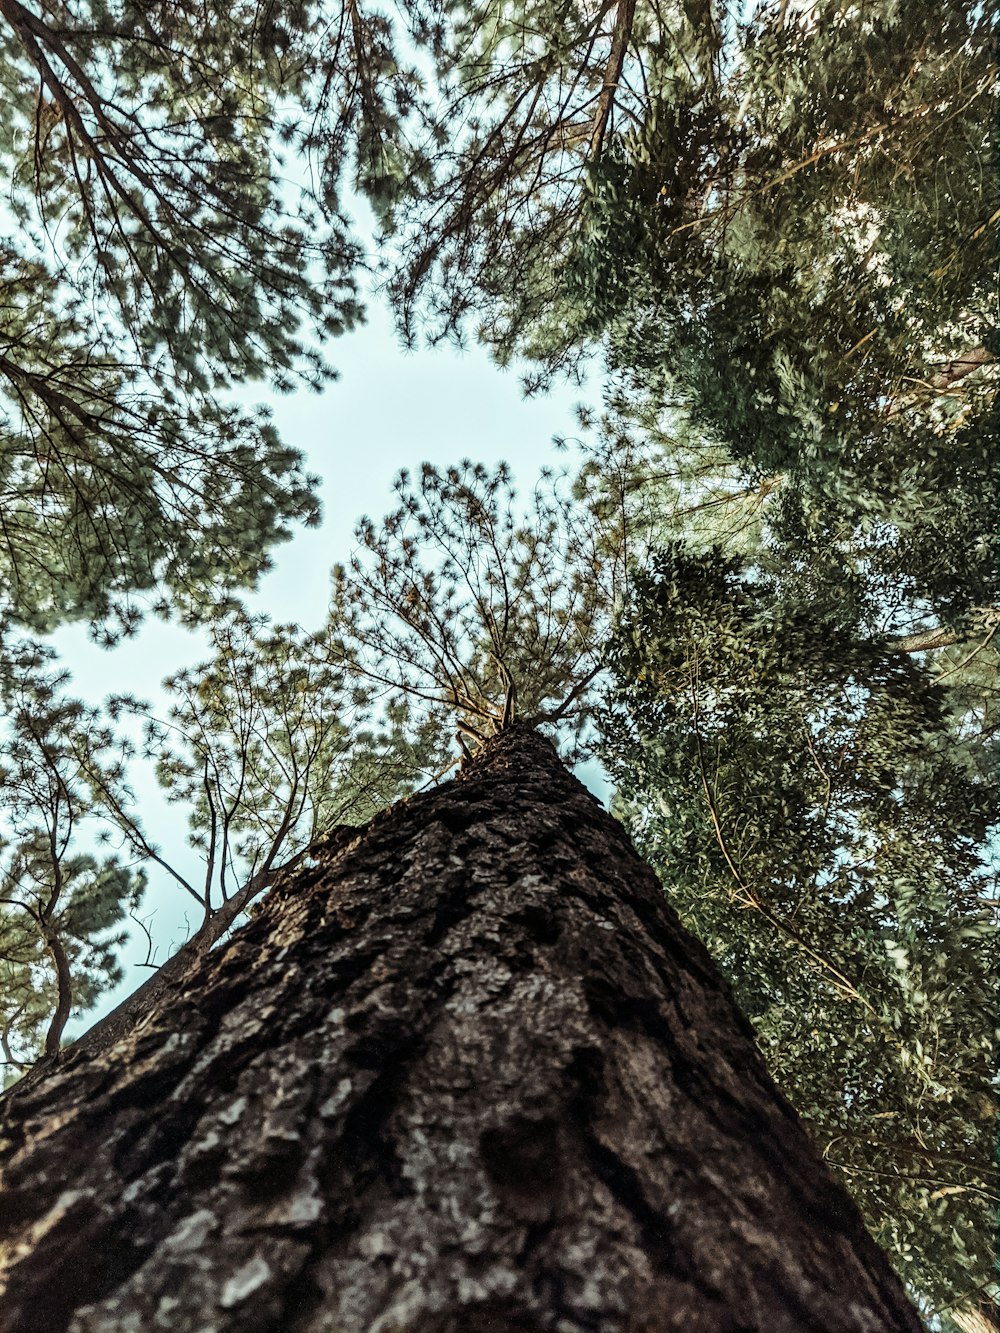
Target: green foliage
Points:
(798, 783)
(172, 229)
(477, 610)
(459, 608)
(269, 743)
(788, 230)
(62, 912)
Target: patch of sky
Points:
(390, 409)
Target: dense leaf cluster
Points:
(164, 238)
(62, 911)
(800, 788)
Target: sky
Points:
(390, 408)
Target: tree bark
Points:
(103, 1034)
(621, 36)
(464, 1073)
(64, 988)
(948, 373)
(972, 1320)
(980, 620)
(124, 1017)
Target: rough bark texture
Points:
(117, 1024)
(124, 1017)
(971, 1320)
(466, 1073)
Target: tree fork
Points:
(466, 1072)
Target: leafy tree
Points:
(61, 911)
(480, 610)
(527, 100)
(800, 785)
(807, 646)
(782, 224)
(675, 172)
(777, 223)
(161, 243)
(269, 745)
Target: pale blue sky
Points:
(389, 409)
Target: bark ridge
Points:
(465, 1073)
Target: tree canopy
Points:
(62, 911)
(480, 608)
(162, 242)
(779, 227)
(802, 788)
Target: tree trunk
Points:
(465, 1073)
(124, 1017)
(64, 988)
(948, 373)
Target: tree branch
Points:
(612, 74)
(983, 619)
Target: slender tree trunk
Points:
(624, 17)
(465, 1073)
(64, 989)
